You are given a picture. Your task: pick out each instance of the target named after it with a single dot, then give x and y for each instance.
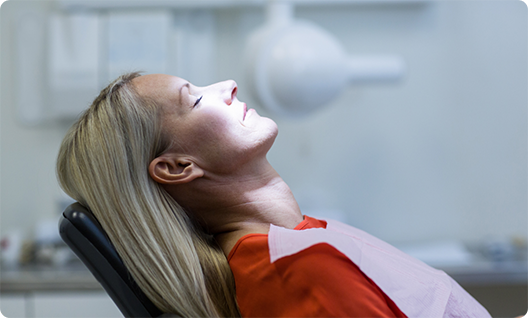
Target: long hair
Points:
(103, 163)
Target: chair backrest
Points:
(82, 232)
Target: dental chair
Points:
(84, 235)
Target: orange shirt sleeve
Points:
(316, 282)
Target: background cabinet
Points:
(59, 304)
(13, 306)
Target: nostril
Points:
(229, 91)
(234, 93)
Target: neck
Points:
(242, 203)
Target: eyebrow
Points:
(184, 85)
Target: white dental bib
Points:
(416, 288)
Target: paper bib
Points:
(416, 288)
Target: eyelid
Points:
(198, 101)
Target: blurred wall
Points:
(29, 191)
(442, 154)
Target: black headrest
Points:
(82, 232)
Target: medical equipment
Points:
(294, 67)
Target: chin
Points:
(273, 129)
(271, 135)
(272, 126)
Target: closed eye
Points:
(197, 101)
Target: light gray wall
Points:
(443, 154)
(29, 191)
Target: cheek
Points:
(213, 132)
(212, 137)
(222, 142)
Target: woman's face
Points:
(208, 123)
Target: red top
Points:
(319, 281)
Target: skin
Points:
(216, 167)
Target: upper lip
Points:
(245, 111)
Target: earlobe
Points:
(169, 170)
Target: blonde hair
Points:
(103, 163)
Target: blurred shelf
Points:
(78, 278)
(487, 273)
(47, 279)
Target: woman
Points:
(178, 177)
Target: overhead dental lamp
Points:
(294, 67)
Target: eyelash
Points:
(197, 101)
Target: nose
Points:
(230, 92)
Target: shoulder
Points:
(320, 280)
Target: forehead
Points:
(162, 88)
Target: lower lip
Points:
(248, 111)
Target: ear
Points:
(168, 169)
